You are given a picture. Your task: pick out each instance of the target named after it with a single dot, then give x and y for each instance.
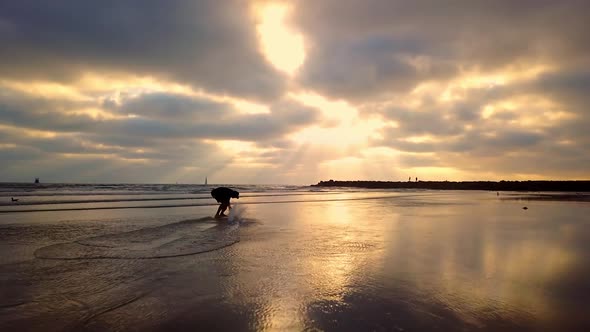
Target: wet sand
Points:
(575, 197)
(384, 261)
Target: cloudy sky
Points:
(294, 92)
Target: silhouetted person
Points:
(416, 179)
(223, 195)
(409, 179)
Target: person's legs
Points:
(224, 205)
(217, 214)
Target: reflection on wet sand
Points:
(286, 269)
(481, 265)
(414, 263)
(478, 267)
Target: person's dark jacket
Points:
(223, 194)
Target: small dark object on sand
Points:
(14, 199)
(525, 208)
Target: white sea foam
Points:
(237, 213)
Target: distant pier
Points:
(565, 186)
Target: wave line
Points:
(203, 204)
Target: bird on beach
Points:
(14, 199)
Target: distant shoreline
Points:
(566, 186)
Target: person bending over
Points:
(223, 195)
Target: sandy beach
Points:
(364, 260)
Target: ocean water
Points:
(151, 257)
(52, 197)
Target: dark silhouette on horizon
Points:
(569, 186)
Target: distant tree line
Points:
(569, 186)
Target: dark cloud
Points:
(569, 91)
(557, 152)
(66, 156)
(371, 53)
(42, 113)
(168, 115)
(14, 155)
(460, 137)
(167, 132)
(568, 87)
(170, 107)
(84, 144)
(508, 157)
(277, 144)
(162, 116)
(480, 141)
(208, 44)
(362, 49)
(421, 122)
(89, 168)
(546, 160)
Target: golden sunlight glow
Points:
(347, 168)
(234, 146)
(343, 127)
(97, 114)
(488, 111)
(459, 88)
(566, 142)
(243, 153)
(94, 86)
(33, 133)
(133, 86)
(435, 173)
(45, 89)
(247, 107)
(420, 139)
(532, 112)
(339, 109)
(558, 115)
(483, 80)
(338, 137)
(282, 46)
(130, 84)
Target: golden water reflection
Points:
(470, 263)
